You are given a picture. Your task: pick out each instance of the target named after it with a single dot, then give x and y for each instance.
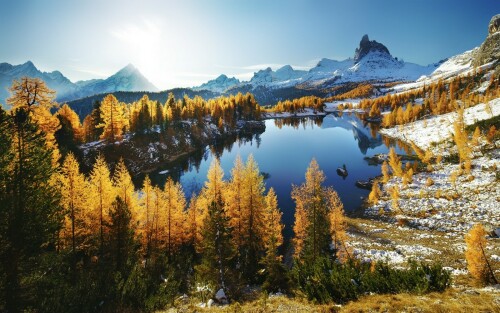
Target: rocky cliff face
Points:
(490, 49)
(366, 46)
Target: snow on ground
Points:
(333, 106)
(369, 255)
(460, 64)
(439, 128)
(459, 206)
(306, 113)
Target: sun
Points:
(142, 45)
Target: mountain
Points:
(54, 80)
(372, 61)
(220, 84)
(366, 46)
(127, 79)
(490, 49)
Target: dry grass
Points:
(452, 300)
(281, 304)
(449, 301)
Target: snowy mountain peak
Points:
(366, 46)
(220, 84)
(127, 79)
(128, 70)
(285, 69)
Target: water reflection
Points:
(285, 150)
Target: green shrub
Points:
(325, 281)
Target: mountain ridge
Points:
(129, 78)
(372, 61)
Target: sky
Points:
(186, 42)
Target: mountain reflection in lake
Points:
(283, 153)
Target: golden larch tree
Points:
(146, 204)
(477, 262)
(33, 95)
(395, 163)
(193, 223)
(273, 234)
(74, 121)
(375, 193)
(125, 189)
(102, 194)
(113, 118)
(174, 219)
(312, 223)
(385, 172)
(75, 200)
(338, 225)
(234, 207)
(253, 203)
(462, 141)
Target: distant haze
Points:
(186, 43)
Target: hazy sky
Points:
(185, 43)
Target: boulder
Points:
(210, 303)
(220, 296)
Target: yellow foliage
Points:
(395, 163)
(375, 193)
(477, 264)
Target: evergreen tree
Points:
(30, 215)
(122, 244)
(217, 268)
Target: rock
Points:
(210, 303)
(497, 232)
(471, 292)
(220, 296)
(366, 46)
(490, 49)
(494, 25)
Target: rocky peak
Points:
(494, 24)
(366, 46)
(221, 78)
(490, 49)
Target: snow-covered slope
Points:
(127, 79)
(439, 128)
(456, 65)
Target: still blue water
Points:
(285, 153)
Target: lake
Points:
(284, 151)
